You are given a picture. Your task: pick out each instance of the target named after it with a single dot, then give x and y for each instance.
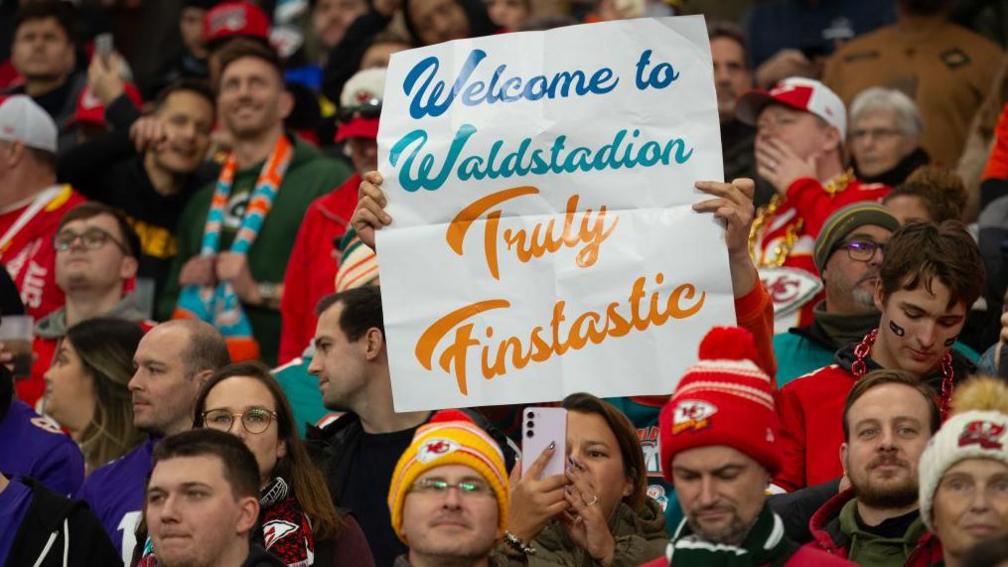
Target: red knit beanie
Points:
(724, 399)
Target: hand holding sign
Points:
(734, 207)
(544, 240)
(370, 215)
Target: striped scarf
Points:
(765, 544)
(220, 305)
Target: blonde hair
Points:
(981, 393)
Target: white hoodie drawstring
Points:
(66, 541)
(45, 550)
(52, 540)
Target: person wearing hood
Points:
(597, 512)
(96, 258)
(930, 276)
(884, 137)
(42, 528)
(888, 418)
(963, 486)
(721, 468)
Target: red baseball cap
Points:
(90, 110)
(235, 19)
(799, 93)
(360, 105)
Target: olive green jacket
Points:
(639, 539)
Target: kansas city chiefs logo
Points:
(987, 434)
(435, 449)
(692, 414)
(276, 530)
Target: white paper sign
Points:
(543, 242)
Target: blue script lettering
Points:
(432, 97)
(420, 170)
(660, 77)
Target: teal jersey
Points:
(302, 391)
(643, 413)
(798, 356)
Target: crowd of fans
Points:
(189, 197)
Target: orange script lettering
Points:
(540, 240)
(640, 310)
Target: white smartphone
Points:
(103, 45)
(540, 427)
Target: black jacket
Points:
(797, 508)
(259, 557)
(61, 532)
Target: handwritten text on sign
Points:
(543, 241)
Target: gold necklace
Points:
(783, 250)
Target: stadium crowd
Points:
(193, 361)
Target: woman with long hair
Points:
(598, 511)
(245, 400)
(86, 388)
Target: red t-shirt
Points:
(29, 254)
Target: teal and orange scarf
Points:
(219, 305)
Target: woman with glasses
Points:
(86, 388)
(598, 511)
(299, 523)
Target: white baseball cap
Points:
(23, 120)
(807, 95)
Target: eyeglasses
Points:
(93, 239)
(254, 420)
(862, 250)
(368, 109)
(470, 487)
(876, 133)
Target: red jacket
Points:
(805, 557)
(811, 413)
(314, 261)
(808, 202)
(31, 389)
(29, 254)
(927, 554)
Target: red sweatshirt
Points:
(314, 261)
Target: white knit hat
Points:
(23, 120)
(967, 435)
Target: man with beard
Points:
(234, 237)
(888, 418)
(947, 70)
(173, 361)
(720, 470)
(848, 253)
(930, 276)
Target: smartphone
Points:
(103, 45)
(540, 427)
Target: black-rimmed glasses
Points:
(93, 239)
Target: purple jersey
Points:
(32, 445)
(115, 493)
